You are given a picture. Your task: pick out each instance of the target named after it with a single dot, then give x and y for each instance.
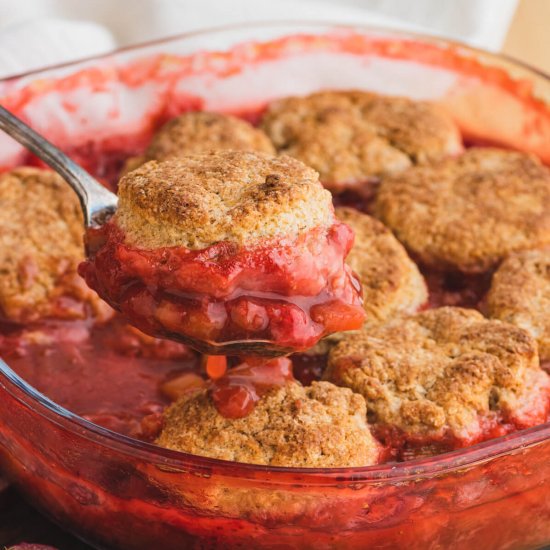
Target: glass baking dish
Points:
(117, 492)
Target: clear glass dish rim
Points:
(176, 461)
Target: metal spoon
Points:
(97, 203)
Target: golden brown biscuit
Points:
(390, 279)
(41, 230)
(220, 196)
(315, 426)
(520, 294)
(468, 213)
(199, 132)
(443, 373)
(350, 137)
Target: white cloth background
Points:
(38, 33)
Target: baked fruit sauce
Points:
(216, 294)
(235, 394)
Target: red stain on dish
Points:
(104, 157)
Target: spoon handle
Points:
(96, 201)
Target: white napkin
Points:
(48, 41)
(38, 33)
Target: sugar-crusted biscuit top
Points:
(520, 294)
(199, 132)
(41, 228)
(295, 426)
(443, 370)
(351, 136)
(468, 213)
(390, 279)
(220, 196)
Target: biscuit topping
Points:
(351, 137)
(390, 279)
(292, 425)
(468, 213)
(198, 132)
(520, 294)
(41, 245)
(444, 375)
(220, 196)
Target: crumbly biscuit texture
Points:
(391, 281)
(295, 426)
(234, 196)
(468, 213)
(350, 137)
(41, 243)
(520, 294)
(199, 132)
(443, 372)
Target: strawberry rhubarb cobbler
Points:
(443, 379)
(228, 248)
(319, 426)
(339, 347)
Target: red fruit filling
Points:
(289, 292)
(236, 393)
(402, 446)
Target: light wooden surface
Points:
(529, 35)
